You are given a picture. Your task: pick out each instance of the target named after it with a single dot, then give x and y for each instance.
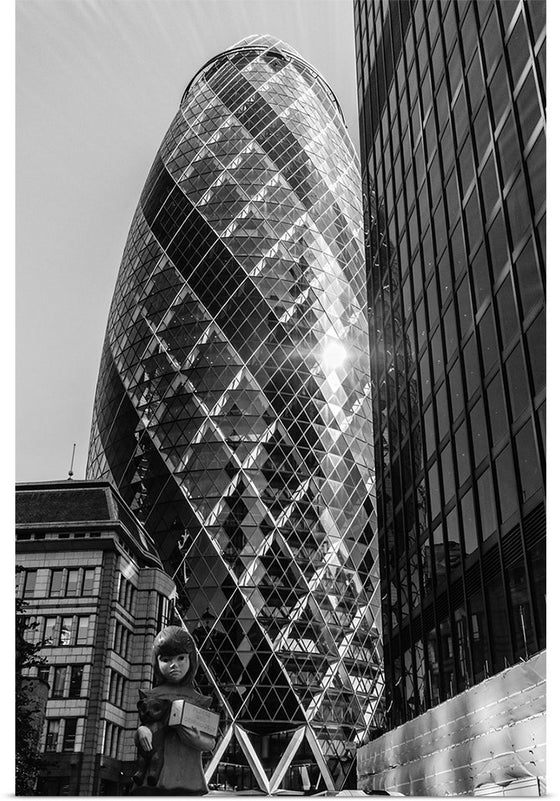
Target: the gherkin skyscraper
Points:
(233, 408)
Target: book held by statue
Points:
(187, 714)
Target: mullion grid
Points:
(344, 222)
(512, 428)
(411, 670)
(381, 478)
(446, 508)
(532, 235)
(477, 183)
(396, 518)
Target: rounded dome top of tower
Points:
(268, 44)
(265, 41)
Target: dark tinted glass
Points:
(498, 620)
(517, 203)
(474, 221)
(425, 378)
(433, 303)
(458, 249)
(536, 339)
(497, 410)
(437, 355)
(507, 11)
(505, 482)
(479, 432)
(528, 278)
(499, 91)
(444, 276)
(488, 340)
(489, 185)
(536, 557)
(528, 107)
(508, 148)
(472, 366)
(453, 210)
(435, 498)
(466, 165)
(537, 14)
(517, 383)
(518, 49)
(491, 39)
(464, 307)
(527, 460)
(468, 31)
(482, 427)
(482, 131)
(524, 639)
(421, 325)
(462, 453)
(461, 118)
(450, 330)
(507, 317)
(442, 412)
(456, 390)
(497, 240)
(537, 172)
(447, 149)
(481, 277)
(476, 83)
(469, 523)
(447, 474)
(429, 431)
(487, 504)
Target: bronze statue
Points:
(171, 743)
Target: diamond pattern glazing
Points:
(233, 403)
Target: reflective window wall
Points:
(452, 116)
(233, 408)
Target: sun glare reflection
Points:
(334, 354)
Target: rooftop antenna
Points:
(70, 472)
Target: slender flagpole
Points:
(71, 472)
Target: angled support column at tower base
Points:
(270, 786)
(287, 758)
(320, 759)
(218, 754)
(252, 758)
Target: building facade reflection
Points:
(453, 151)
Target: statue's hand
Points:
(191, 735)
(144, 738)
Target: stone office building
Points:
(94, 585)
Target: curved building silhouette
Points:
(233, 408)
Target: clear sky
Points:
(97, 85)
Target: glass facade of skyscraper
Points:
(233, 407)
(452, 124)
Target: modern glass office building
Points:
(233, 411)
(452, 116)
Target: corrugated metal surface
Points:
(449, 750)
(520, 787)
